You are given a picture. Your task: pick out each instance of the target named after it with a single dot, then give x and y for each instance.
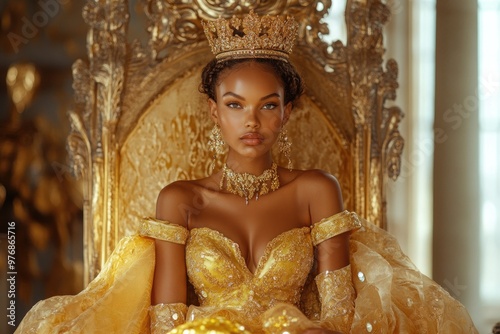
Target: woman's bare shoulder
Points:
(322, 191)
(173, 201)
(317, 178)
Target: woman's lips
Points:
(252, 138)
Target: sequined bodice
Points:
(221, 278)
(226, 287)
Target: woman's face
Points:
(250, 108)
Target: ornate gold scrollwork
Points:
(92, 143)
(378, 142)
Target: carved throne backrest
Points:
(139, 123)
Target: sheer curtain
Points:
(409, 39)
(489, 155)
(420, 39)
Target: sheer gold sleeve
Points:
(165, 317)
(334, 225)
(163, 230)
(336, 294)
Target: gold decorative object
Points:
(212, 325)
(285, 146)
(216, 144)
(251, 37)
(139, 124)
(22, 83)
(248, 185)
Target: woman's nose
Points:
(252, 120)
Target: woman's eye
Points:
(233, 105)
(270, 106)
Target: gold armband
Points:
(165, 317)
(336, 294)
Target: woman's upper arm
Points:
(170, 280)
(333, 253)
(325, 200)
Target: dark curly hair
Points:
(291, 80)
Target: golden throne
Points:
(139, 122)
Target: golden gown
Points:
(392, 296)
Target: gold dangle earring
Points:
(285, 146)
(215, 144)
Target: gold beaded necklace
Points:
(248, 185)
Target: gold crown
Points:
(252, 36)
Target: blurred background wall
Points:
(40, 203)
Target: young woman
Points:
(250, 102)
(267, 249)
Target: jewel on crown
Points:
(252, 36)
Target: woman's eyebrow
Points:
(234, 95)
(270, 95)
(242, 98)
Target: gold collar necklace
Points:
(248, 185)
